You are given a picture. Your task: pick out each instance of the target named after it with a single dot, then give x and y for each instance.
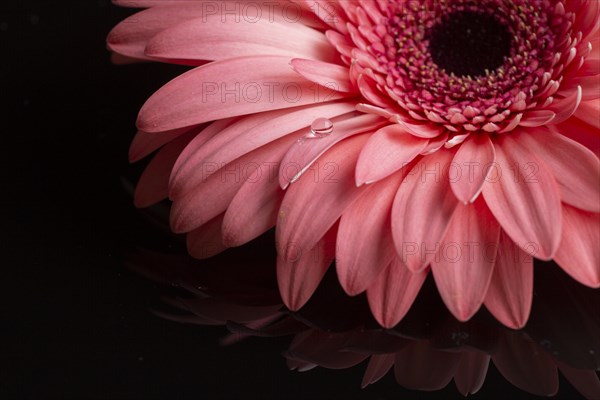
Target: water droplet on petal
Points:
(321, 127)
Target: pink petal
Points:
(473, 162)
(565, 108)
(154, 182)
(222, 36)
(393, 293)
(332, 76)
(379, 366)
(511, 290)
(578, 253)
(300, 274)
(205, 242)
(144, 143)
(421, 367)
(212, 196)
(463, 267)
(525, 364)
(577, 180)
(254, 208)
(130, 36)
(422, 210)
(327, 11)
(229, 88)
(471, 371)
(387, 151)
(535, 118)
(313, 204)
(307, 150)
(361, 258)
(524, 197)
(245, 135)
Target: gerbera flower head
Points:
(397, 137)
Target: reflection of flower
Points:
(426, 350)
(468, 155)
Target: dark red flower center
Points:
(469, 43)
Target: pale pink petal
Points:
(575, 168)
(307, 150)
(154, 183)
(245, 135)
(130, 36)
(472, 164)
(315, 202)
(221, 36)
(578, 252)
(588, 112)
(361, 258)
(379, 366)
(471, 371)
(524, 197)
(393, 293)
(422, 210)
(421, 367)
(254, 208)
(212, 196)
(511, 290)
(525, 364)
(332, 76)
(585, 381)
(229, 88)
(387, 151)
(300, 274)
(566, 107)
(205, 241)
(144, 143)
(327, 11)
(463, 267)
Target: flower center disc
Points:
(469, 43)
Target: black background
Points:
(76, 323)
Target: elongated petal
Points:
(308, 150)
(361, 258)
(333, 76)
(144, 143)
(205, 241)
(471, 372)
(577, 180)
(473, 162)
(464, 265)
(212, 196)
(300, 274)
(422, 210)
(578, 253)
(524, 197)
(511, 290)
(222, 36)
(314, 203)
(245, 135)
(229, 88)
(393, 292)
(154, 182)
(254, 208)
(130, 37)
(387, 151)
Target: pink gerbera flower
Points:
(397, 137)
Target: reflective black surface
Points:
(80, 319)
